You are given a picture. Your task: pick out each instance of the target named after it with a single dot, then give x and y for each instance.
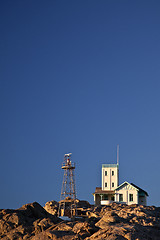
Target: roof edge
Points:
(128, 184)
(109, 165)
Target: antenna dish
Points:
(67, 154)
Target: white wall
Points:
(109, 179)
(126, 193)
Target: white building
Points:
(111, 191)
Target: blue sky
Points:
(80, 77)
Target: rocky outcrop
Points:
(119, 221)
(115, 221)
(25, 221)
(83, 207)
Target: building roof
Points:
(133, 185)
(109, 165)
(100, 191)
(140, 189)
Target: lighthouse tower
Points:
(67, 204)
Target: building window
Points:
(112, 184)
(120, 197)
(105, 184)
(105, 173)
(131, 197)
(112, 173)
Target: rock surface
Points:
(115, 222)
(51, 207)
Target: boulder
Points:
(52, 207)
(108, 218)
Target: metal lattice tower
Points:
(67, 204)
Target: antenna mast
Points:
(117, 154)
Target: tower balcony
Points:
(68, 165)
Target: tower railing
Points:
(68, 165)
